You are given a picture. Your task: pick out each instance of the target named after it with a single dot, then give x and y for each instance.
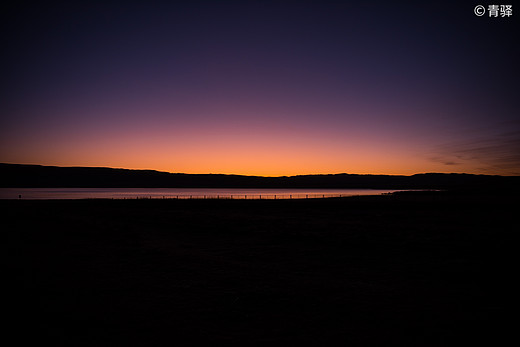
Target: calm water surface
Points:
(180, 193)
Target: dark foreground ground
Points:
(415, 269)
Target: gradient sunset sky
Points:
(261, 87)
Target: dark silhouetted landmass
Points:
(34, 176)
(409, 269)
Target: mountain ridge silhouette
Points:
(35, 176)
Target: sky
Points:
(266, 88)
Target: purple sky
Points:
(261, 88)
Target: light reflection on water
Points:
(180, 193)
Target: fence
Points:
(241, 196)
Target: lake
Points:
(181, 193)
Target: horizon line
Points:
(281, 176)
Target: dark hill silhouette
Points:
(17, 175)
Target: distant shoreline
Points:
(424, 195)
(184, 193)
(37, 176)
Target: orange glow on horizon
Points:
(231, 158)
(252, 146)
